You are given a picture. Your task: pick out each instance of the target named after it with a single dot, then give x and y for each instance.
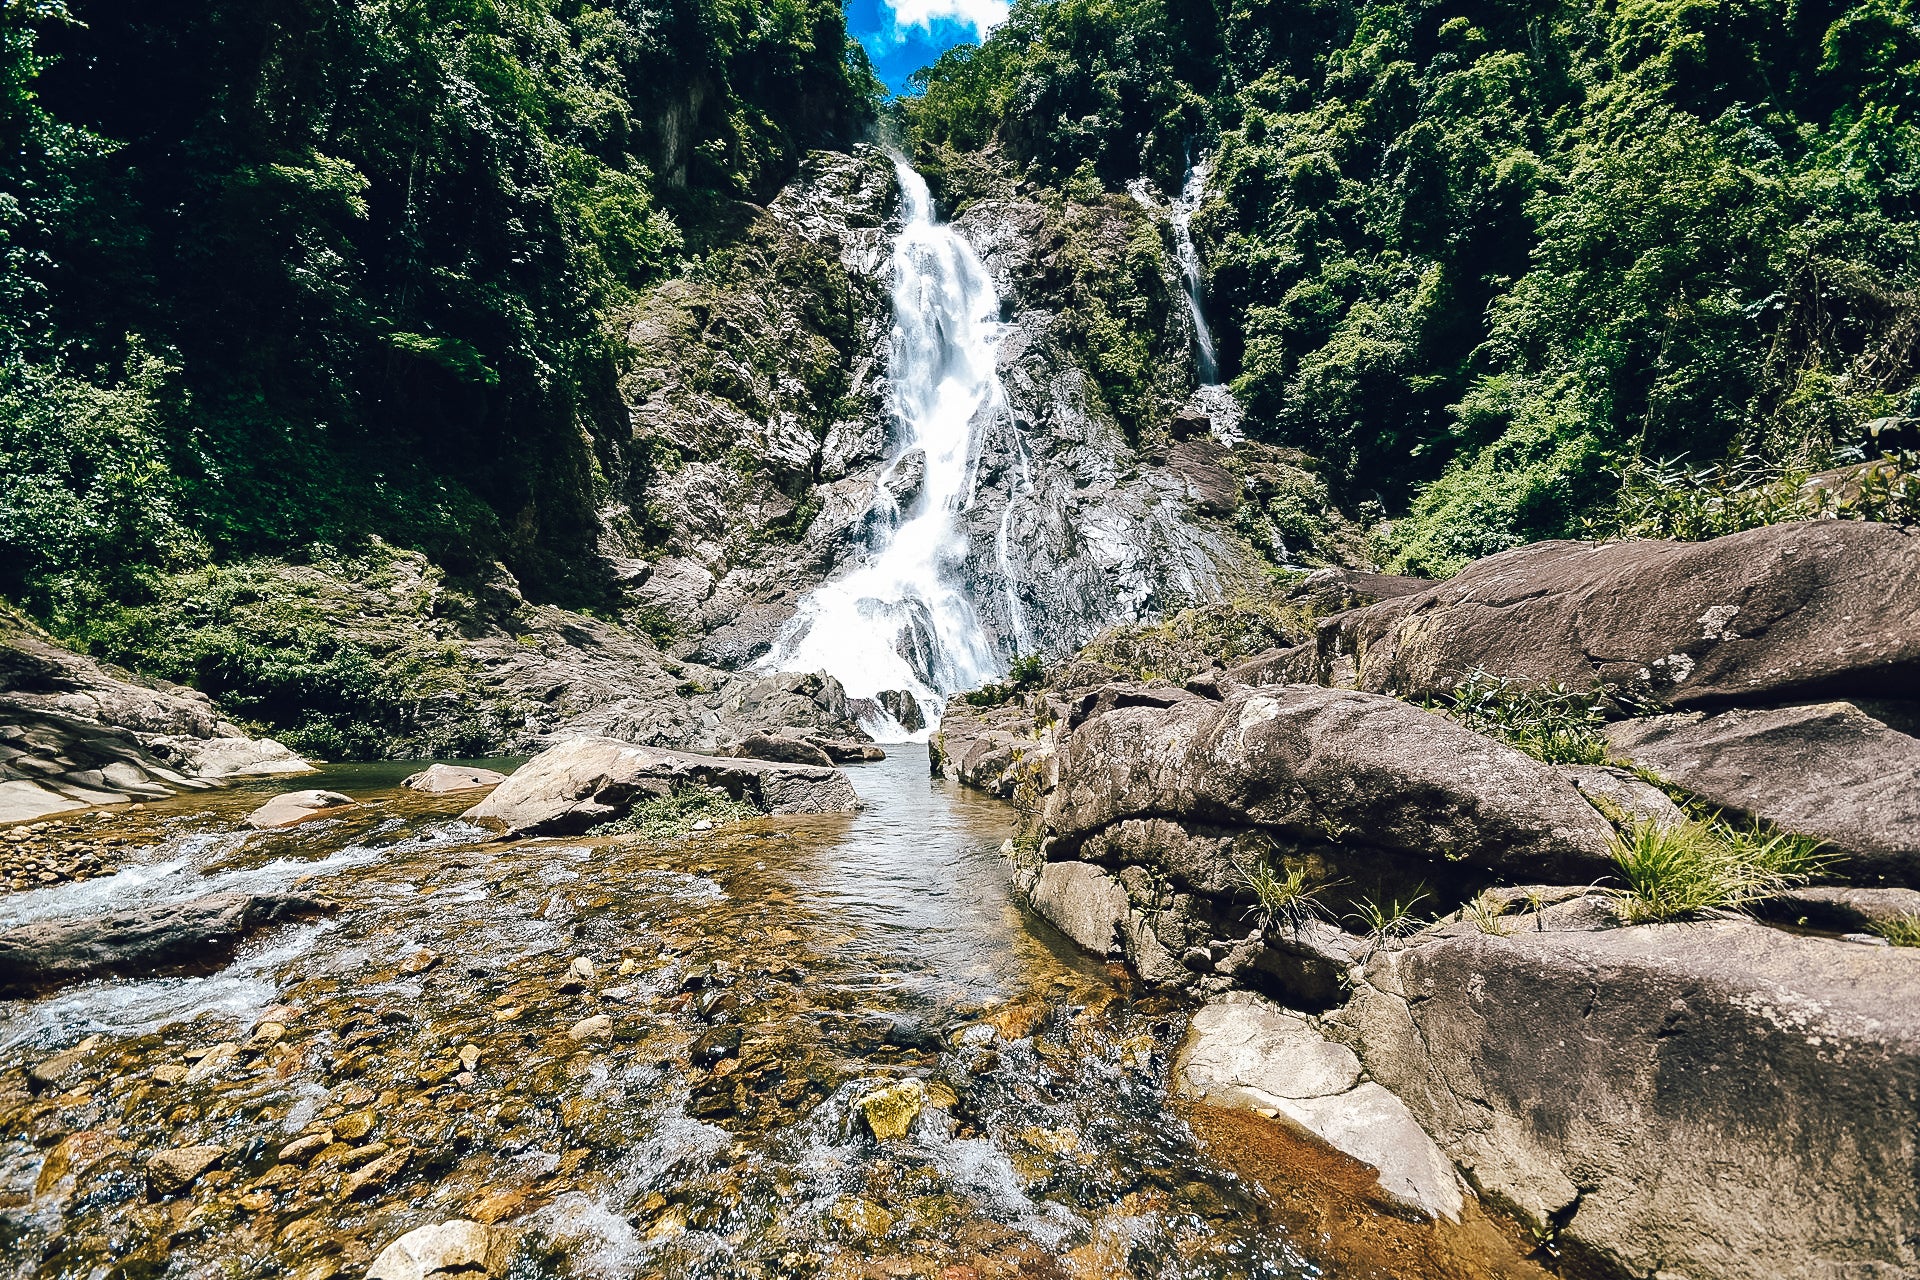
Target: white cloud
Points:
(981, 15)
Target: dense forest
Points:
(295, 273)
(1480, 258)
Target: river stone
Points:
(1720, 1099)
(1243, 1051)
(890, 1111)
(781, 748)
(456, 1250)
(49, 952)
(582, 782)
(1818, 607)
(1828, 770)
(436, 779)
(174, 1171)
(24, 801)
(1316, 765)
(1083, 902)
(293, 807)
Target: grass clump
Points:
(1489, 915)
(1024, 673)
(1697, 869)
(672, 817)
(1902, 930)
(1391, 921)
(1551, 723)
(1280, 896)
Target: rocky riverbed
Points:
(821, 1045)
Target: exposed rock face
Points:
(1082, 901)
(1311, 766)
(1617, 791)
(1711, 1100)
(903, 707)
(1785, 612)
(74, 734)
(436, 779)
(1828, 770)
(586, 781)
(780, 747)
(1243, 1051)
(293, 807)
(201, 930)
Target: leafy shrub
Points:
(1024, 673)
(1672, 499)
(1689, 870)
(671, 817)
(1555, 724)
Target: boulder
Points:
(171, 1172)
(1335, 589)
(1317, 767)
(1785, 612)
(903, 707)
(203, 930)
(1721, 1100)
(1083, 902)
(437, 779)
(1242, 1051)
(583, 782)
(292, 807)
(781, 748)
(847, 751)
(456, 1250)
(221, 758)
(1827, 770)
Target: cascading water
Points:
(902, 619)
(1206, 362)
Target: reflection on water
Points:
(646, 1060)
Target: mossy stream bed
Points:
(647, 1059)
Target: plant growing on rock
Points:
(1902, 930)
(1488, 915)
(1703, 868)
(1386, 923)
(674, 817)
(1280, 897)
(1553, 723)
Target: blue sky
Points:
(901, 36)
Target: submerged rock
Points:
(48, 952)
(586, 781)
(293, 807)
(172, 1172)
(889, 1113)
(437, 779)
(1719, 1099)
(1243, 1051)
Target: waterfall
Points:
(902, 619)
(1192, 190)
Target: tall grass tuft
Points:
(1280, 897)
(1697, 869)
(1386, 923)
(1902, 930)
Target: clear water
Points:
(902, 619)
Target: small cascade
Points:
(903, 618)
(1192, 190)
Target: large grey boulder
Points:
(583, 782)
(1811, 608)
(438, 779)
(1720, 1100)
(1317, 766)
(1242, 1051)
(47, 953)
(1828, 770)
(1082, 901)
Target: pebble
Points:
(176, 1170)
(598, 1027)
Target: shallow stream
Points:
(434, 1050)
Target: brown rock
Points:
(293, 807)
(174, 1171)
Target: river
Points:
(758, 980)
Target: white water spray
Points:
(903, 620)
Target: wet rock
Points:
(781, 748)
(889, 1112)
(369, 1179)
(49, 1072)
(1716, 1099)
(903, 707)
(294, 807)
(847, 751)
(1828, 770)
(26, 801)
(712, 1046)
(1784, 612)
(172, 1172)
(458, 1250)
(585, 781)
(1246, 1052)
(437, 779)
(200, 930)
(597, 1027)
(211, 1061)
(304, 1148)
(859, 1220)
